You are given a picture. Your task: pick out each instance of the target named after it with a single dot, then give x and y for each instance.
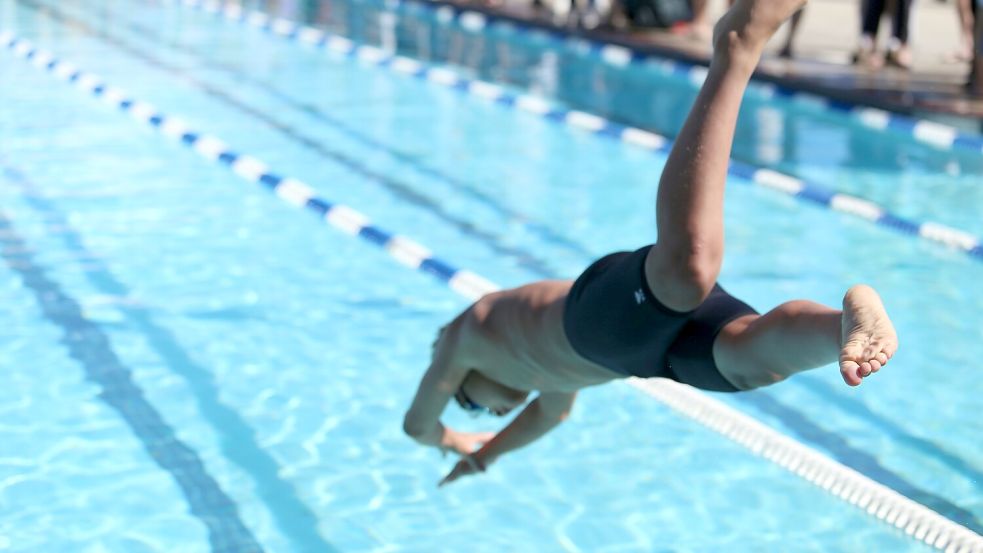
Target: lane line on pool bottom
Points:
(238, 441)
(86, 343)
(812, 193)
(880, 501)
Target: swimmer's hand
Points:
(463, 443)
(468, 465)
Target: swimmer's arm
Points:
(441, 381)
(422, 420)
(543, 414)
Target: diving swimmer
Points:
(655, 312)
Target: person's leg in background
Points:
(976, 73)
(793, 29)
(870, 20)
(898, 53)
(967, 28)
(700, 27)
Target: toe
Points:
(889, 349)
(881, 358)
(875, 365)
(848, 370)
(864, 370)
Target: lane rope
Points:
(809, 192)
(882, 502)
(931, 133)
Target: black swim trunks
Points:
(614, 320)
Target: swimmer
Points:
(654, 312)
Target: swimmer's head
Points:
(478, 395)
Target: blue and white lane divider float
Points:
(880, 501)
(813, 193)
(934, 134)
(292, 191)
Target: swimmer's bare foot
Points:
(749, 24)
(868, 337)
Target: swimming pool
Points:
(260, 362)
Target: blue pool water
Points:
(192, 364)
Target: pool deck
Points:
(934, 88)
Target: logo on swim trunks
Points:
(639, 296)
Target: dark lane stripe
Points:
(87, 344)
(861, 461)
(546, 233)
(237, 439)
(896, 432)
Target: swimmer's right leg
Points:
(682, 267)
(755, 351)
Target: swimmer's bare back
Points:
(518, 333)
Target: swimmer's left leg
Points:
(754, 351)
(683, 264)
